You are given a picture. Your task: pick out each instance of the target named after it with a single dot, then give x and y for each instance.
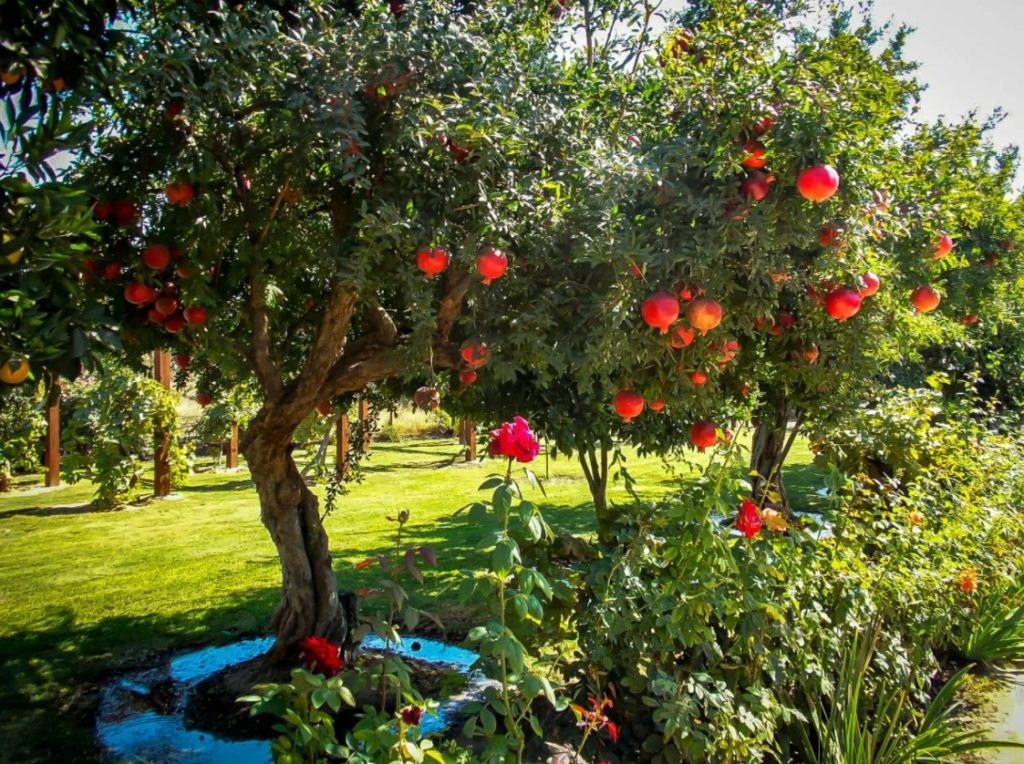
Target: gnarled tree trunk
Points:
(773, 440)
(309, 604)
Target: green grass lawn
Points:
(85, 593)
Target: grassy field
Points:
(85, 593)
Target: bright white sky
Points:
(969, 56)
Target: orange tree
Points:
(267, 181)
(46, 52)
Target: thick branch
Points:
(267, 372)
(451, 304)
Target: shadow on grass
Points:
(49, 688)
(58, 511)
(241, 484)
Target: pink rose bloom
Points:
(515, 440)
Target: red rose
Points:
(515, 440)
(320, 655)
(748, 520)
(411, 715)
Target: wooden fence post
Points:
(233, 447)
(161, 468)
(53, 444)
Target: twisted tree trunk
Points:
(594, 461)
(773, 440)
(309, 604)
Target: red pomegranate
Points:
(842, 303)
(754, 188)
(661, 310)
(195, 316)
(204, 399)
(818, 183)
(703, 434)
(682, 337)
(474, 353)
(871, 284)
(155, 316)
(763, 125)
(167, 305)
(698, 378)
(829, 237)
(182, 360)
(782, 321)
(427, 398)
(628, 404)
(657, 405)
(156, 256)
(491, 263)
(969, 320)
(173, 108)
(101, 211)
(179, 193)
(727, 351)
(175, 323)
(323, 408)
(112, 271)
(139, 294)
(467, 377)
(704, 315)
(942, 246)
(811, 353)
(925, 299)
(431, 261)
(753, 155)
(122, 212)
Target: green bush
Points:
(22, 427)
(113, 425)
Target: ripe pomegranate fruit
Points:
(101, 211)
(811, 353)
(925, 299)
(969, 320)
(754, 188)
(703, 434)
(782, 321)
(727, 351)
(762, 126)
(660, 310)
(698, 378)
(204, 399)
(182, 361)
(753, 156)
(829, 237)
(474, 353)
(179, 193)
(870, 282)
(842, 303)
(156, 256)
(167, 305)
(942, 246)
(427, 398)
(682, 337)
(431, 261)
(467, 377)
(657, 405)
(155, 316)
(139, 294)
(174, 108)
(112, 271)
(491, 263)
(122, 212)
(628, 404)
(175, 323)
(704, 314)
(323, 408)
(818, 183)
(195, 316)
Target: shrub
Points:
(113, 424)
(22, 427)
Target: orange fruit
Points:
(14, 371)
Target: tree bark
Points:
(773, 440)
(594, 461)
(309, 604)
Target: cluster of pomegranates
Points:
(491, 263)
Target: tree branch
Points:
(267, 372)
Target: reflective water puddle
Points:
(133, 726)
